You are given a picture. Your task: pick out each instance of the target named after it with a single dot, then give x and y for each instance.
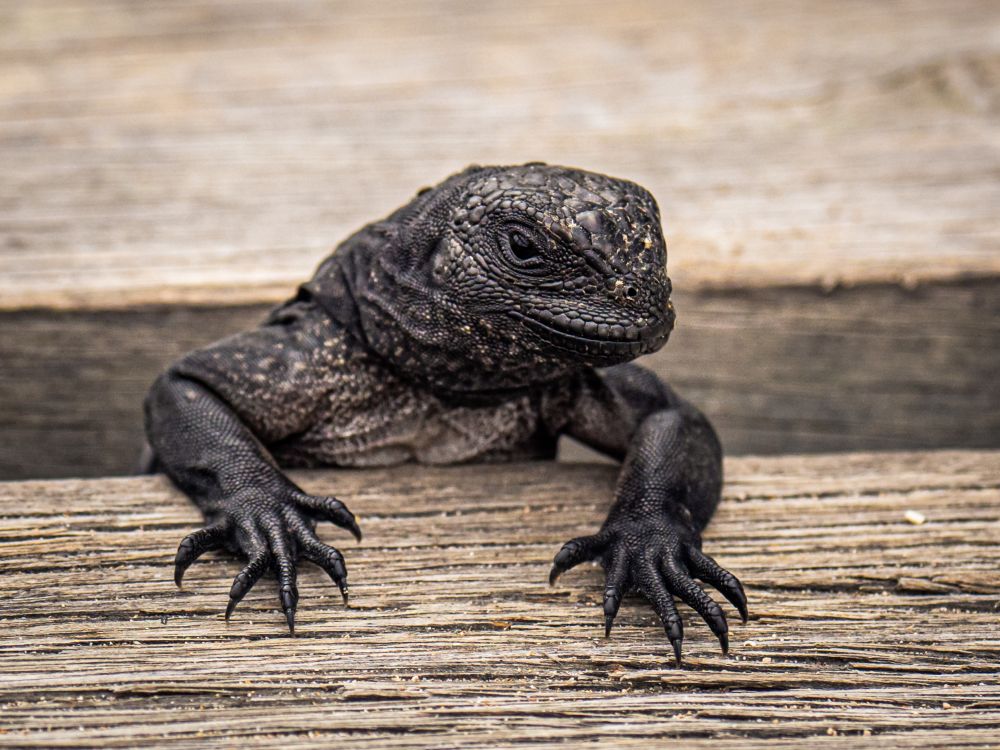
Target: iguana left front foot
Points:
(659, 559)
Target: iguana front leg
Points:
(207, 418)
(669, 486)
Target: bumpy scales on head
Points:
(511, 276)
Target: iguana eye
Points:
(521, 247)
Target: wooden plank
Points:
(213, 151)
(778, 370)
(863, 625)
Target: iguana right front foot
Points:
(272, 530)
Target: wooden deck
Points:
(866, 629)
(827, 173)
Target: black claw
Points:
(718, 625)
(741, 604)
(245, 581)
(676, 635)
(236, 593)
(732, 589)
(557, 570)
(612, 601)
(675, 631)
(554, 574)
(345, 519)
(193, 546)
(560, 563)
(183, 559)
(339, 576)
(341, 581)
(273, 540)
(289, 599)
(333, 510)
(330, 560)
(354, 529)
(574, 552)
(676, 643)
(660, 576)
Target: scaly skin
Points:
(492, 314)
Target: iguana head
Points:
(505, 276)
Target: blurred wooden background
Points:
(829, 175)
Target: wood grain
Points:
(863, 625)
(213, 151)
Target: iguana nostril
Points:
(631, 292)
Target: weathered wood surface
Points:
(778, 370)
(862, 623)
(215, 150)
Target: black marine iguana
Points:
(492, 314)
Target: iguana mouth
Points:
(588, 337)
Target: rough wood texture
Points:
(779, 370)
(862, 623)
(214, 150)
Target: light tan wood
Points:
(209, 152)
(862, 622)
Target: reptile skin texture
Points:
(495, 312)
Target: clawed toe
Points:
(709, 571)
(615, 587)
(245, 581)
(197, 543)
(330, 509)
(574, 552)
